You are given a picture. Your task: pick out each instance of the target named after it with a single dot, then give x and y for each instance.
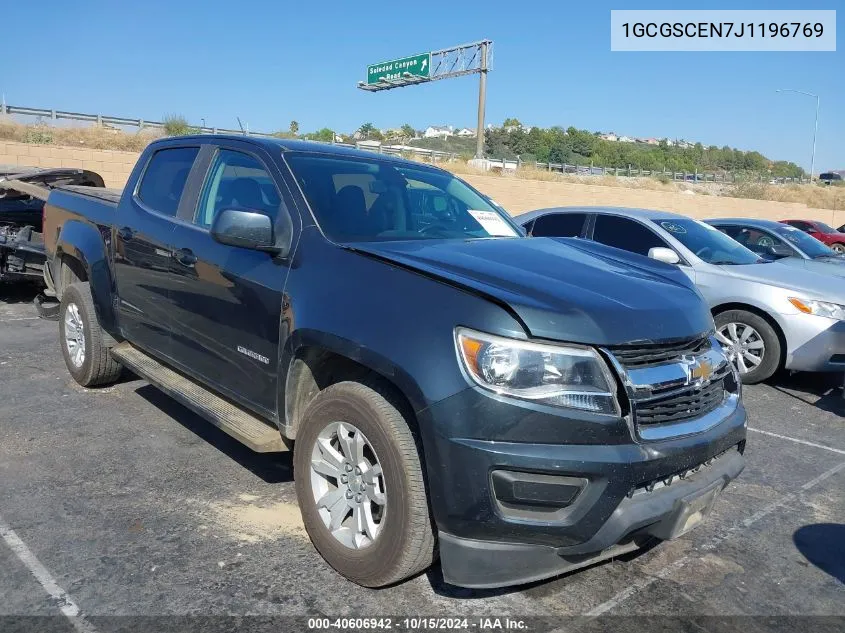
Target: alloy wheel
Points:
(348, 485)
(743, 345)
(74, 335)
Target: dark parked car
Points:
(519, 406)
(830, 177)
(822, 232)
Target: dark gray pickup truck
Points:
(518, 406)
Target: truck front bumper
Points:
(514, 512)
(662, 514)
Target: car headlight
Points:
(559, 375)
(819, 308)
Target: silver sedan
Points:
(768, 315)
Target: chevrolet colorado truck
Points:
(449, 387)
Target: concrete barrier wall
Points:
(114, 166)
(515, 194)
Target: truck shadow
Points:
(821, 544)
(272, 468)
(19, 293)
(820, 390)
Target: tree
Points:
(325, 135)
(408, 131)
(512, 122)
(177, 125)
(294, 127)
(367, 129)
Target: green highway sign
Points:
(416, 65)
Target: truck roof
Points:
(296, 145)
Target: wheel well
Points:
(314, 369)
(763, 315)
(71, 271)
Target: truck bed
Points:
(107, 195)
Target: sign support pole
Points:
(482, 99)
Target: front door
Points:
(144, 224)
(227, 302)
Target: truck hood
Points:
(563, 289)
(809, 283)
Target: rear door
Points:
(143, 247)
(227, 302)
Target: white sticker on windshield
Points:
(673, 227)
(493, 223)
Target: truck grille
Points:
(645, 355)
(689, 403)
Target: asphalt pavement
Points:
(120, 502)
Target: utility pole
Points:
(815, 128)
(482, 99)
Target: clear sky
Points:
(271, 61)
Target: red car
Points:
(822, 232)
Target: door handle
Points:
(186, 257)
(125, 233)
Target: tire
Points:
(839, 247)
(738, 322)
(404, 543)
(94, 366)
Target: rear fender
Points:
(87, 245)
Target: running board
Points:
(244, 427)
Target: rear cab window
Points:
(164, 178)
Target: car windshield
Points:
(362, 199)
(807, 243)
(707, 242)
(825, 228)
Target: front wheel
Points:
(839, 247)
(750, 343)
(84, 344)
(360, 486)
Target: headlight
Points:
(819, 308)
(559, 375)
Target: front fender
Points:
(88, 245)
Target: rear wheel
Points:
(839, 247)
(750, 343)
(85, 346)
(360, 486)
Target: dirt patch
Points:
(250, 521)
(707, 571)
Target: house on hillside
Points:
(610, 136)
(651, 141)
(438, 131)
(465, 132)
(627, 139)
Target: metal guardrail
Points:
(419, 152)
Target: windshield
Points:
(825, 228)
(807, 243)
(707, 242)
(361, 199)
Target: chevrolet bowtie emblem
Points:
(699, 370)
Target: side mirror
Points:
(663, 254)
(247, 229)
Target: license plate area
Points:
(688, 512)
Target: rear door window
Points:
(626, 234)
(164, 178)
(559, 225)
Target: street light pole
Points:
(815, 128)
(482, 100)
